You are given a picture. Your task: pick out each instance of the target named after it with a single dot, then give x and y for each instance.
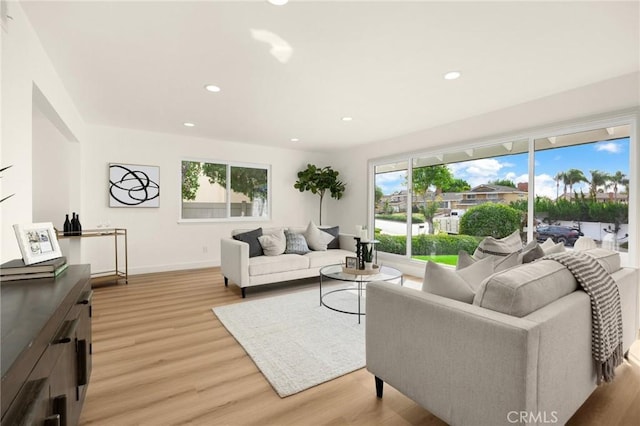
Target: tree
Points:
(575, 176)
(318, 181)
(618, 178)
(456, 185)
(423, 179)
(503, 182)
(560, 177)
(190, 173)
(378, 195)
(598, 178)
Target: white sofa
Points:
(244, 271)
(470, 365)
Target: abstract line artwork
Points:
(134, 185)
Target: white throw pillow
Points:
(316, 238)
(490, 246)
(584, 243)
(549, 247)
(459, 284)
(273, 244)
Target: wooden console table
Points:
(118, 273)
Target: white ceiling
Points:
(143, 65)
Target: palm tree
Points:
(618, 178)
(560, 176)
(575, 176)
(598, 178)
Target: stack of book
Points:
(17, 270)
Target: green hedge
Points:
(490, 219)
(579, 209)
(440, 244)
(401, 217)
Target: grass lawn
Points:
(447, 259)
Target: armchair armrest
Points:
(234, 261)
(464, 363)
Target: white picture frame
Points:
(134, 185)
(37, 241)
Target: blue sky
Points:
(609, 157)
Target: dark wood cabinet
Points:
(46, 348)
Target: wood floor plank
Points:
(161, 357)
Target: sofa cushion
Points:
(316, 238)
(265, 265)
(251, 238)
(490, 246)
(526, 288)
(456, 284)
(296, 243)
(273, 244)
(335, 232)
(609, 259)
(329, 257)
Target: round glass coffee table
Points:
(357, 287)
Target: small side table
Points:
(118, 273)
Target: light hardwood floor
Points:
(161, 357)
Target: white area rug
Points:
(294, 341)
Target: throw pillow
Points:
(335, 231)
(549, 247)
(459, 284)
(317, 239)
(251, 238)
(534, 253)
(584, 243)
(499, 247)
(273, 244)
(500, 263)
(296, 244)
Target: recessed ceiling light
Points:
(187, 124)
(452, 75)
(212, 88)
(278, 2)
(347, 118)
(295, 140)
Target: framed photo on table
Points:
(351, 262)
(37, 242)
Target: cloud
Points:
(610, 147)
(477, 172)
(391, 181)
(545, 186)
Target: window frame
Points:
(620, 118)
(228, 218)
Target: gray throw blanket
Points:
(606, 310)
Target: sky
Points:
(608, 157)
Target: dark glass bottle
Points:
(78, 225)
(67, 226)
(74, 224)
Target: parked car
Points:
(559, 234)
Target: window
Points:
(585, 189)
(219, 190)
(559, 186)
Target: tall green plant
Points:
(318, 181)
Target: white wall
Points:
(25, 68)
(157, 242)
(598, 99)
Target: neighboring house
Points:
(490, 193)
(396, 201)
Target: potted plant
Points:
(318, 181)
(367, 256)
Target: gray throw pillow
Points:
(334, 231)
(500, 263)
(296, 244)
(499, 247)
(251, 238)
